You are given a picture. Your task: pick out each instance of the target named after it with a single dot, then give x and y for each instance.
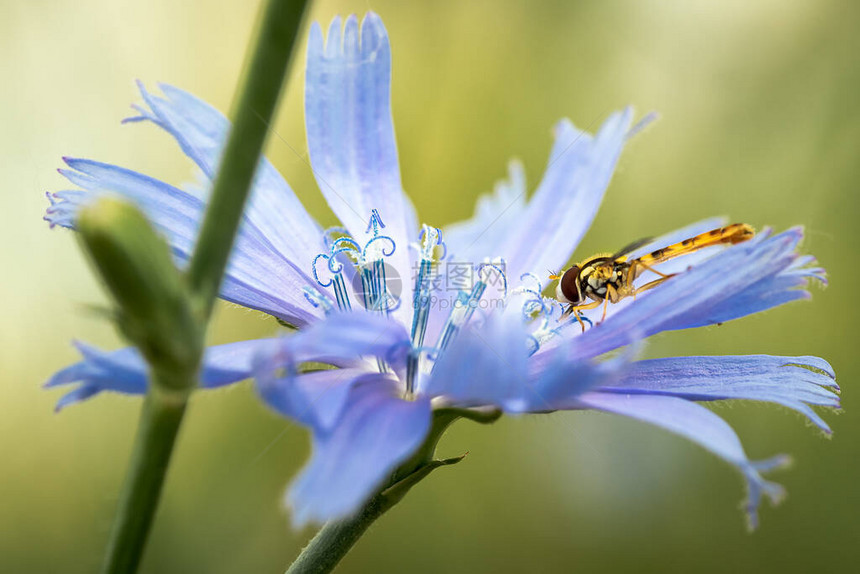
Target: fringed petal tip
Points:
(76, 372)
(65, 204)
(52, 211)
(143, 111)
(758, 486)
(565, 130)
(122, 371)
(343, 40)
(149, 109)
(799, 383)
(77, 395)
(816, 364)
(646, 121)
(804, 266)
(80, 374)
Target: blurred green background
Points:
(759, 123)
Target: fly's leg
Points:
(576, 309)
(611, 295)
(579, 318)
(633, 273)
(572, 311)
(651, 269)
(651, 285)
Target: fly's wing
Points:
(627, 249)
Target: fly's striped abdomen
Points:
(731, 234)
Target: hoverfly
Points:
(605, 279)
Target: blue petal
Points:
(340, 340)
(313, 399)
(485, 365)
(558, 383)
(567, 198)
(351, 134)
(495, 216)
(375, 433)
(743, 279)
(787, 381)
(125, 371)
(701, 426)
(201, 132)
(257, 276)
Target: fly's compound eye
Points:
(569, 285)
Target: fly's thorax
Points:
(598, 276)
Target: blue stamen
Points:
(484, 266)
(371, 303)
(537, 290)
(373, 276)
(340, 293)
(435, 240)
(430, 237)
(318, 300)
(375, 223)
(367, 288)
(465, 305)
(316, 274)
(335, 267)
(421, 302)
(536, 306)
(455, 319)
(383, 252)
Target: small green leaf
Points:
(394, 493)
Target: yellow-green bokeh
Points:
(759, 123)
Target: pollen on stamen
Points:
(379, 247)
(334, 264)
(329, 233)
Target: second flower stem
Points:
(159, 425)
(252, 115)
(162, 412)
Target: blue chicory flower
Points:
(400, 349)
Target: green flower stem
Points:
(159, 425)
(171, 382)
(335, 539)
(253, 113)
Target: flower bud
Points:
(153, 307)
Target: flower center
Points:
(364, 266)
(367, 268)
